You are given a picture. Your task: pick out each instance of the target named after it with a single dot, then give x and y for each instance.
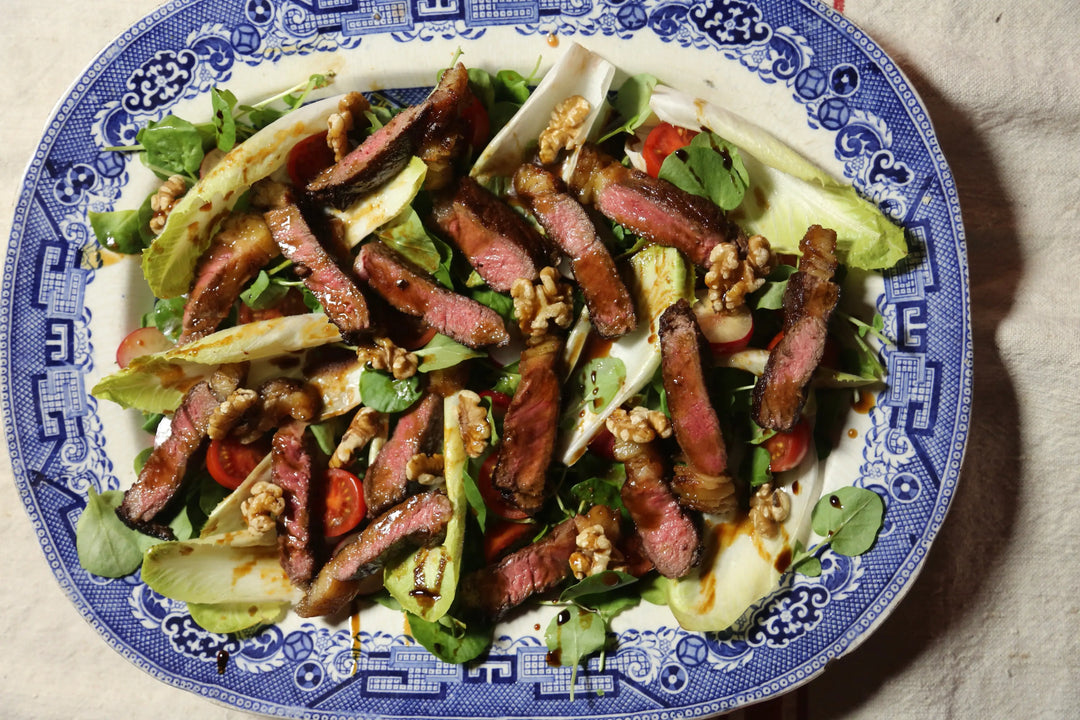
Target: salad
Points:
(577, 344)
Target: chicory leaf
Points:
(602, 378)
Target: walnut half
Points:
(731, 278)
(537, 306)
(564, 125)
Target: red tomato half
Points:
(477, 123)
(786, 450)
(144, 341)
(503, 536)
(308, 158)
(661, 141)
(345, 506)
(492, 497)
(230, 461)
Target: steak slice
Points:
(493, 591)
(414, 292)
(530, 429)
(418, 431)
(650, 207)
(682, 364)
(240, 249)
(809, 301)
(611, 309)
(340, 297)
(498, 242)
(419, 521)
(298, 531)
(669, 536)
(387, 151)
(162, 477)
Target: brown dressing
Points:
(864, 403)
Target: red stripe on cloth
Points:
(838, 5)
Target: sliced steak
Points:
(683, 350)
(162, 477)
(611, 309)
(809, 301)
(669, 536)
(387, 151)
(340, 297)
(412, 291)
(417, 431)
(419, 521)
(530, 429)
(498, 242)
(298, 531)
(493, 591)
(653, 208)
(239, 250)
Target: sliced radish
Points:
(144, 341)
(727, 332)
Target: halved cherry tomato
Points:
(144, 341)
(492, 497)
(603, 444)
(477, 122)
(504, 535)
(345, 506)
(787, 449)
(661, 141)
(500, 401)
(308, 158)
(231, 461)
(727, 332)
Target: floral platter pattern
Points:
(848, 91)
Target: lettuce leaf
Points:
(169, 263)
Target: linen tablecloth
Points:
(991, 628)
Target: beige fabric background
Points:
(991, 629)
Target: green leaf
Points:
(482, 85)
(632, 103)
(709, 167)
(106, 546)
(451, 640)
(225, 618)
(173, 146)
(474, 498)
(604, 582)
(385, 394)
(850, 518)
(575, 633)
(759, 466)
(803, 562)
(771, 294)
(500, 303)
(654, 589)
(263, 292)
(326, 434)
(223, 102)
(443, 352)
(169, 317)
(118, 230)
(407, 234)
(602, 378)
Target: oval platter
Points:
(794, 66)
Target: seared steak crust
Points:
(682, 352)
(412, 291)
(496, 241)
(419, 521)
(340, 297)
(611, 309)
(669, 536)
(530, 429)
(652, 208)
(493, 591)
(809, 301)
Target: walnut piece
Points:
(538, 305)
(730, 279)
(164, 200)
(366, 425)
(768, 508)
(340, 123)
(639, 425)
(596, 553)
(388, 357)
(228, 414)
(261, 510)
(566, 120)
(425, 469)
(473, 421)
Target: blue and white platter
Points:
(794, 66)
